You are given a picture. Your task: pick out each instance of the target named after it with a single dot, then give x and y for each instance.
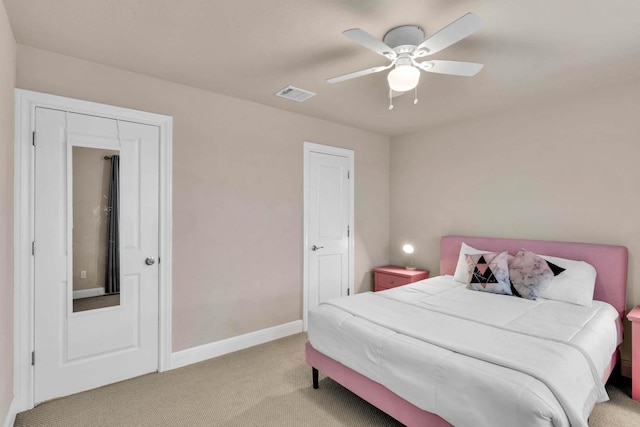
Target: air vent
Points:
(295, 94)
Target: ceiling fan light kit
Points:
(404, 44)
(404, 77)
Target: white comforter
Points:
(473, 358)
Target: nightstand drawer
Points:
(386, 281)
(390, 276)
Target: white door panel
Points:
(330, 280)
(76, 351)
(330, 204)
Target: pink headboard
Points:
(609, 261)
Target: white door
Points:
(328, 235)
(80, 350)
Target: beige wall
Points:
(563, 170)
(7, 83)
(237, 189)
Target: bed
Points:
(479, 388)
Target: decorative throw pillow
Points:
(460, 275)
(488, 272)
(530, 274)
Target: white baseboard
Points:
(10, 419)
(229, 345)
(87, 293)
(625, 368)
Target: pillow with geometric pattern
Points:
(488, 272)
(460, 275)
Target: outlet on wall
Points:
(83, 274)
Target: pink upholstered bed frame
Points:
(609, 261)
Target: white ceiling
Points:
(533, 51)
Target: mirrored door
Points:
(78, 349)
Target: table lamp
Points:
(408, 249)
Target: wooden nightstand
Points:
(390, 276)
(634, 317)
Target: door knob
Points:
(150, 260)
(315, 248)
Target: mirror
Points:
(96, 255)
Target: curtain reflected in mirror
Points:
(96, 246)
(112, 264)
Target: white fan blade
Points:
(370, 42)
(359, 73)
(455, 68)
(459, 29)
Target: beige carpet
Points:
(268, 385)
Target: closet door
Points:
(329, 204)
(81, 345)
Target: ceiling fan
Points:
(405, 44)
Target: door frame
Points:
(310, 147)
(24, 218)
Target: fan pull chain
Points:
(415, 96)
(390, 99)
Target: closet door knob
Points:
(150, 260)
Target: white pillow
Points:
(460, 274)
(575, 284)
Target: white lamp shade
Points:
(408, 249)
(403, 78)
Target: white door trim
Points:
(310, 147)
(25, 105)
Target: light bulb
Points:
(408, 249)
(403, 78)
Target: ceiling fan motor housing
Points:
(404, 35)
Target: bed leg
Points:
(314, 373)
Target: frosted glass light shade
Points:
(403, 78)
(408, 249)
